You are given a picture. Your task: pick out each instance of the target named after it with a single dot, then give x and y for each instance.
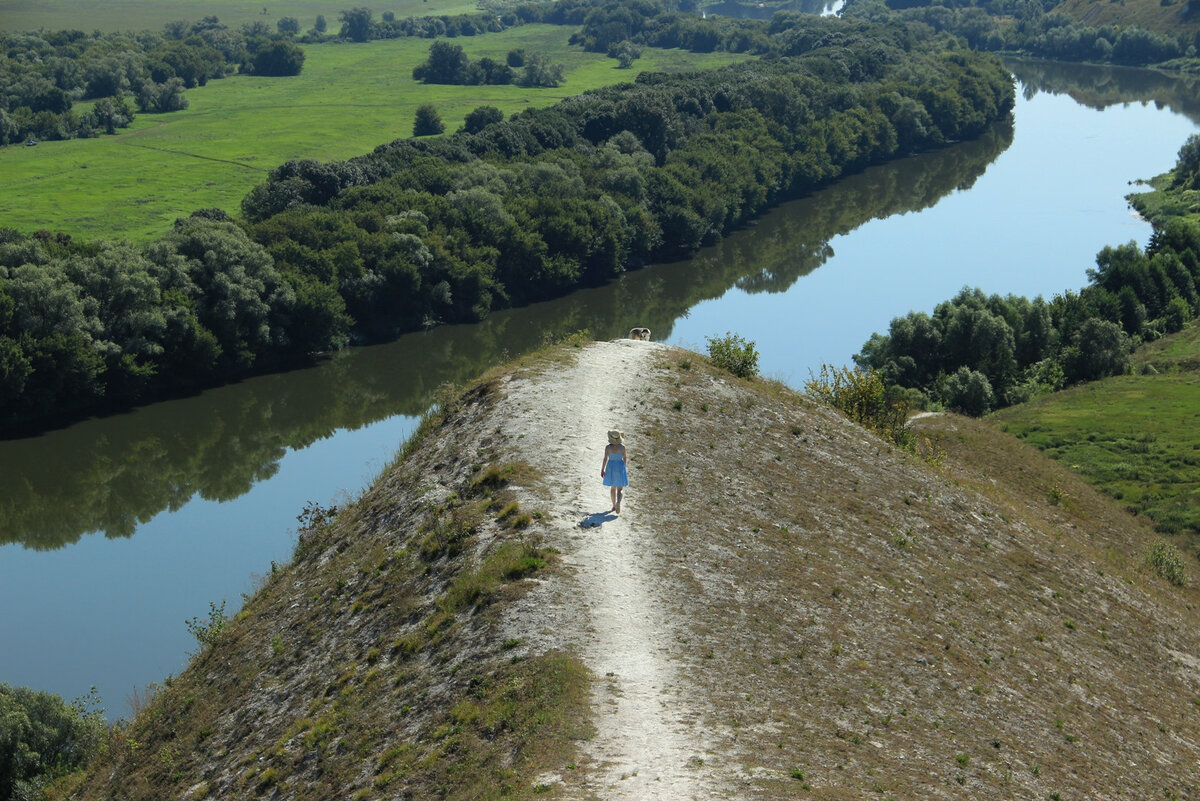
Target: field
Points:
(349, 98)
(109, 16)
(1136, 437)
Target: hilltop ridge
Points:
(787, 607)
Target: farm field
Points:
(1136, 437)
(349, 98)
(110, 16)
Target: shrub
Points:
(1165, 560)
(969, 391)
(864, 397)
(733, 353)
(42, 738)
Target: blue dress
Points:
(614, 471)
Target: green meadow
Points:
(110, 16)
(1136, 437)
(349, 98)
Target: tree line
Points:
(978, 352)
(43, 74)
(433, 230)
(1035, 28)
(448, 64)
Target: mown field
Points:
(139, 15)
(349, 98)
(1136, 437)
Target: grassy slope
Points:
(137, 15)
(1165, 17)
(860, 623)
(1136, 437)
(349, 99)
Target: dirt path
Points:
(612, 609)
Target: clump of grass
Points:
(1167, 562)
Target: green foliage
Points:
(428, 122)
(733, 353)
(279, 58)
(208, 632)
(1167, 562)
(42, 738)
(978, 352)
(864, 397)
(1118, 34)
(421, 232)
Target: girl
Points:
(612, 471)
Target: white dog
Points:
(642, 334)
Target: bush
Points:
(733, 353)
(42, 738)
(969, 391)
(1167, 562)
(864, 397)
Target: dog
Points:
(641, 334)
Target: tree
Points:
(41, 739)
(1187, 168)
(288, 26)
(159, 98)
(539, 72)
(625, 52)
(279, 58)
(1100, 348)
(112, 113)
(481, 118)
(969, 391)
(357, 24)
(447, 63)
(428, 121)
(320, 26)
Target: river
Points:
(115, 532)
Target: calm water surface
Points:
(115, 532)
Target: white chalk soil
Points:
(611, 604)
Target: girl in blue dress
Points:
(613, 471)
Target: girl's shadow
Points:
(597, 519)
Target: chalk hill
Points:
(787, 607)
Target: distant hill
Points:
(1164, 16)
(786, 607)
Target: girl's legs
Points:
(613, 493)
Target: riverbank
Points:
(786, 605)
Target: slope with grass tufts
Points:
(786, 607)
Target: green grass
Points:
(136, 15)
(350, 98)
(1136, 437)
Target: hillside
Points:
(1163, 16)
(786, 608)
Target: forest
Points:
(977, 353)
(434, 230)
(1036, 28)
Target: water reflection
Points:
(1099, 87)
(111, 475)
